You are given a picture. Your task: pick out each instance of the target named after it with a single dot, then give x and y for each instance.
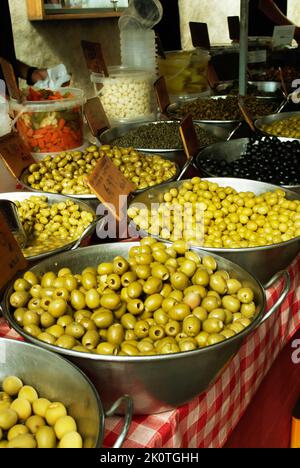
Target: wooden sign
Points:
(15, 154)
(109, 184)
(10, 79)
(162, 94)
(246, 113)
(189, 137)
(94, 57)
(96, 118)
(11, 256)
(200, 35)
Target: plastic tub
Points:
(185, 72)
(51, 126)
(127, 95)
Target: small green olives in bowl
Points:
(142, 319)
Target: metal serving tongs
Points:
(10, 212)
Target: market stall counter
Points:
(210, 419)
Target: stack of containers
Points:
(138, 49)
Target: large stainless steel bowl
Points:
(229, 152)
(155, 383)
(57, 379)
(270, 119)
(109, 136)
(52, 199)
(261, 262)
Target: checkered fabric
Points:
(209, 420)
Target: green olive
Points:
(58, 308)
(76, 330)
(91, 339)
(173, 328)
(120, 266)
(201, 278)
(48, 280)
(161, 317)
(189, 268)
(191, 326)
(118, 313)
(248, 310)
(143, 271)
(228, 333)
(31, 278)
(19, 299)
(66, 342)
(56, 330)
(47, 338)
(31, 318)
(61, 293)
(231, 303)
(153, 286)
(179, 312)
(245, 295)
(236, 327)
(193, 300)
(128, 321)
(22, 285)
(111, 301)
(161, 272)
(187, 344)
(215, 339)
(156, 333)
(33, 330)
(141, 329)
(218, 284)
(202, 339)
(128, 278)
(80, 314)
(89, 281)
(78, 300)
(134, 290)
(70, 283)
(129, 350)
(114, 282)
(65, 321)
(92, 299)
(145, 347)
(210, 303)
(219, 314)
(115, 334)
(36, 291)
(209, 263)
(103, 318)
(19, 314)
(153, 303)
(196, 289)
(106, 348)
(179, 281)
(200, 313)
(233, 286)
(212, 326)
(135, 307)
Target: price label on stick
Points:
(11, 256)
(109, 185)
(94, 57)
(246, 113)
(10, 79)
(189, 137)
(162, 94)
(96, 118)
(15, 154)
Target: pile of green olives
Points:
(28, 421)
(287, 128)
(205, 214)
(163, 299)
(67, 173)
(49, 227)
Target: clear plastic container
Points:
(127, 95)
(185, 72)
(51, 126)
(138, 49)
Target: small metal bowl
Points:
(52, 199)
(270, 119)
(59, 380)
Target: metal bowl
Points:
(229, 152)
(53, 198)
(268, 89)
(109, 136)
(91, 199)
(260, 123)
(261, 262)
(57, 379)
(155, 383)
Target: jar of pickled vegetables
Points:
(186, 72)
(50, 121)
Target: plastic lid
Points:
(141, 14)
(121, 72)
(40, 106)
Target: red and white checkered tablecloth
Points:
(209, 420)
